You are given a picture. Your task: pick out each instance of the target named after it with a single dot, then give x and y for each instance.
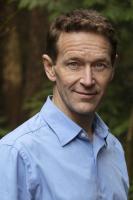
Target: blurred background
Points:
(23, 84)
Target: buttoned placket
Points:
(97, 144)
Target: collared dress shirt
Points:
(50, 157)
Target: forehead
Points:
(83, 44)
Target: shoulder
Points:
(114, 141)
(25, 131)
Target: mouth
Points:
(88, 95)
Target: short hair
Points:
(76, 21)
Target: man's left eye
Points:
(100, 66)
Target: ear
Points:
(114, 66)
(49, 67)
(112, 75)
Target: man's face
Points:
(82, 72)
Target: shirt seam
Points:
(26, 162)
(22, 135)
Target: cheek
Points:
(65, 80)
(62, 84)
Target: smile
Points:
(88, 95)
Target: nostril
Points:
(87, 81)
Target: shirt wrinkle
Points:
(82, 170)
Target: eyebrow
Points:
(105, 60)
(74, 58)
(82, 59)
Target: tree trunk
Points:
(12, 76)
(34, 74)
(2, 34)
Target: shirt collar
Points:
(65, 129)
(100, 128)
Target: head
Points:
(80, 53)
(80, 21)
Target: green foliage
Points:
(119, 11)
(111, 112)
(115, 9)
(30, 4)
(131, 192)
(3, 130)
(32, 105)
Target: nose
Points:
(87, 78)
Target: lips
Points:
(86, 96)
(86, 93)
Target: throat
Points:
(86, 122)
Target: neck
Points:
(84, 121)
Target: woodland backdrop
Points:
(23, 84)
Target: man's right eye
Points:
(73, 65)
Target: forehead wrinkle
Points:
(84, 53)
(83, 50)
(73, 45)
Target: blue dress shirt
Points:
(50, 157)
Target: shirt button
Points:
(83, 134)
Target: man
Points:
(66, 151)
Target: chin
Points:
(85, 111)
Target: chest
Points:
(77, 172)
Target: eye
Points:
(100, 66)
(74, 65)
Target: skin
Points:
(82, 73)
